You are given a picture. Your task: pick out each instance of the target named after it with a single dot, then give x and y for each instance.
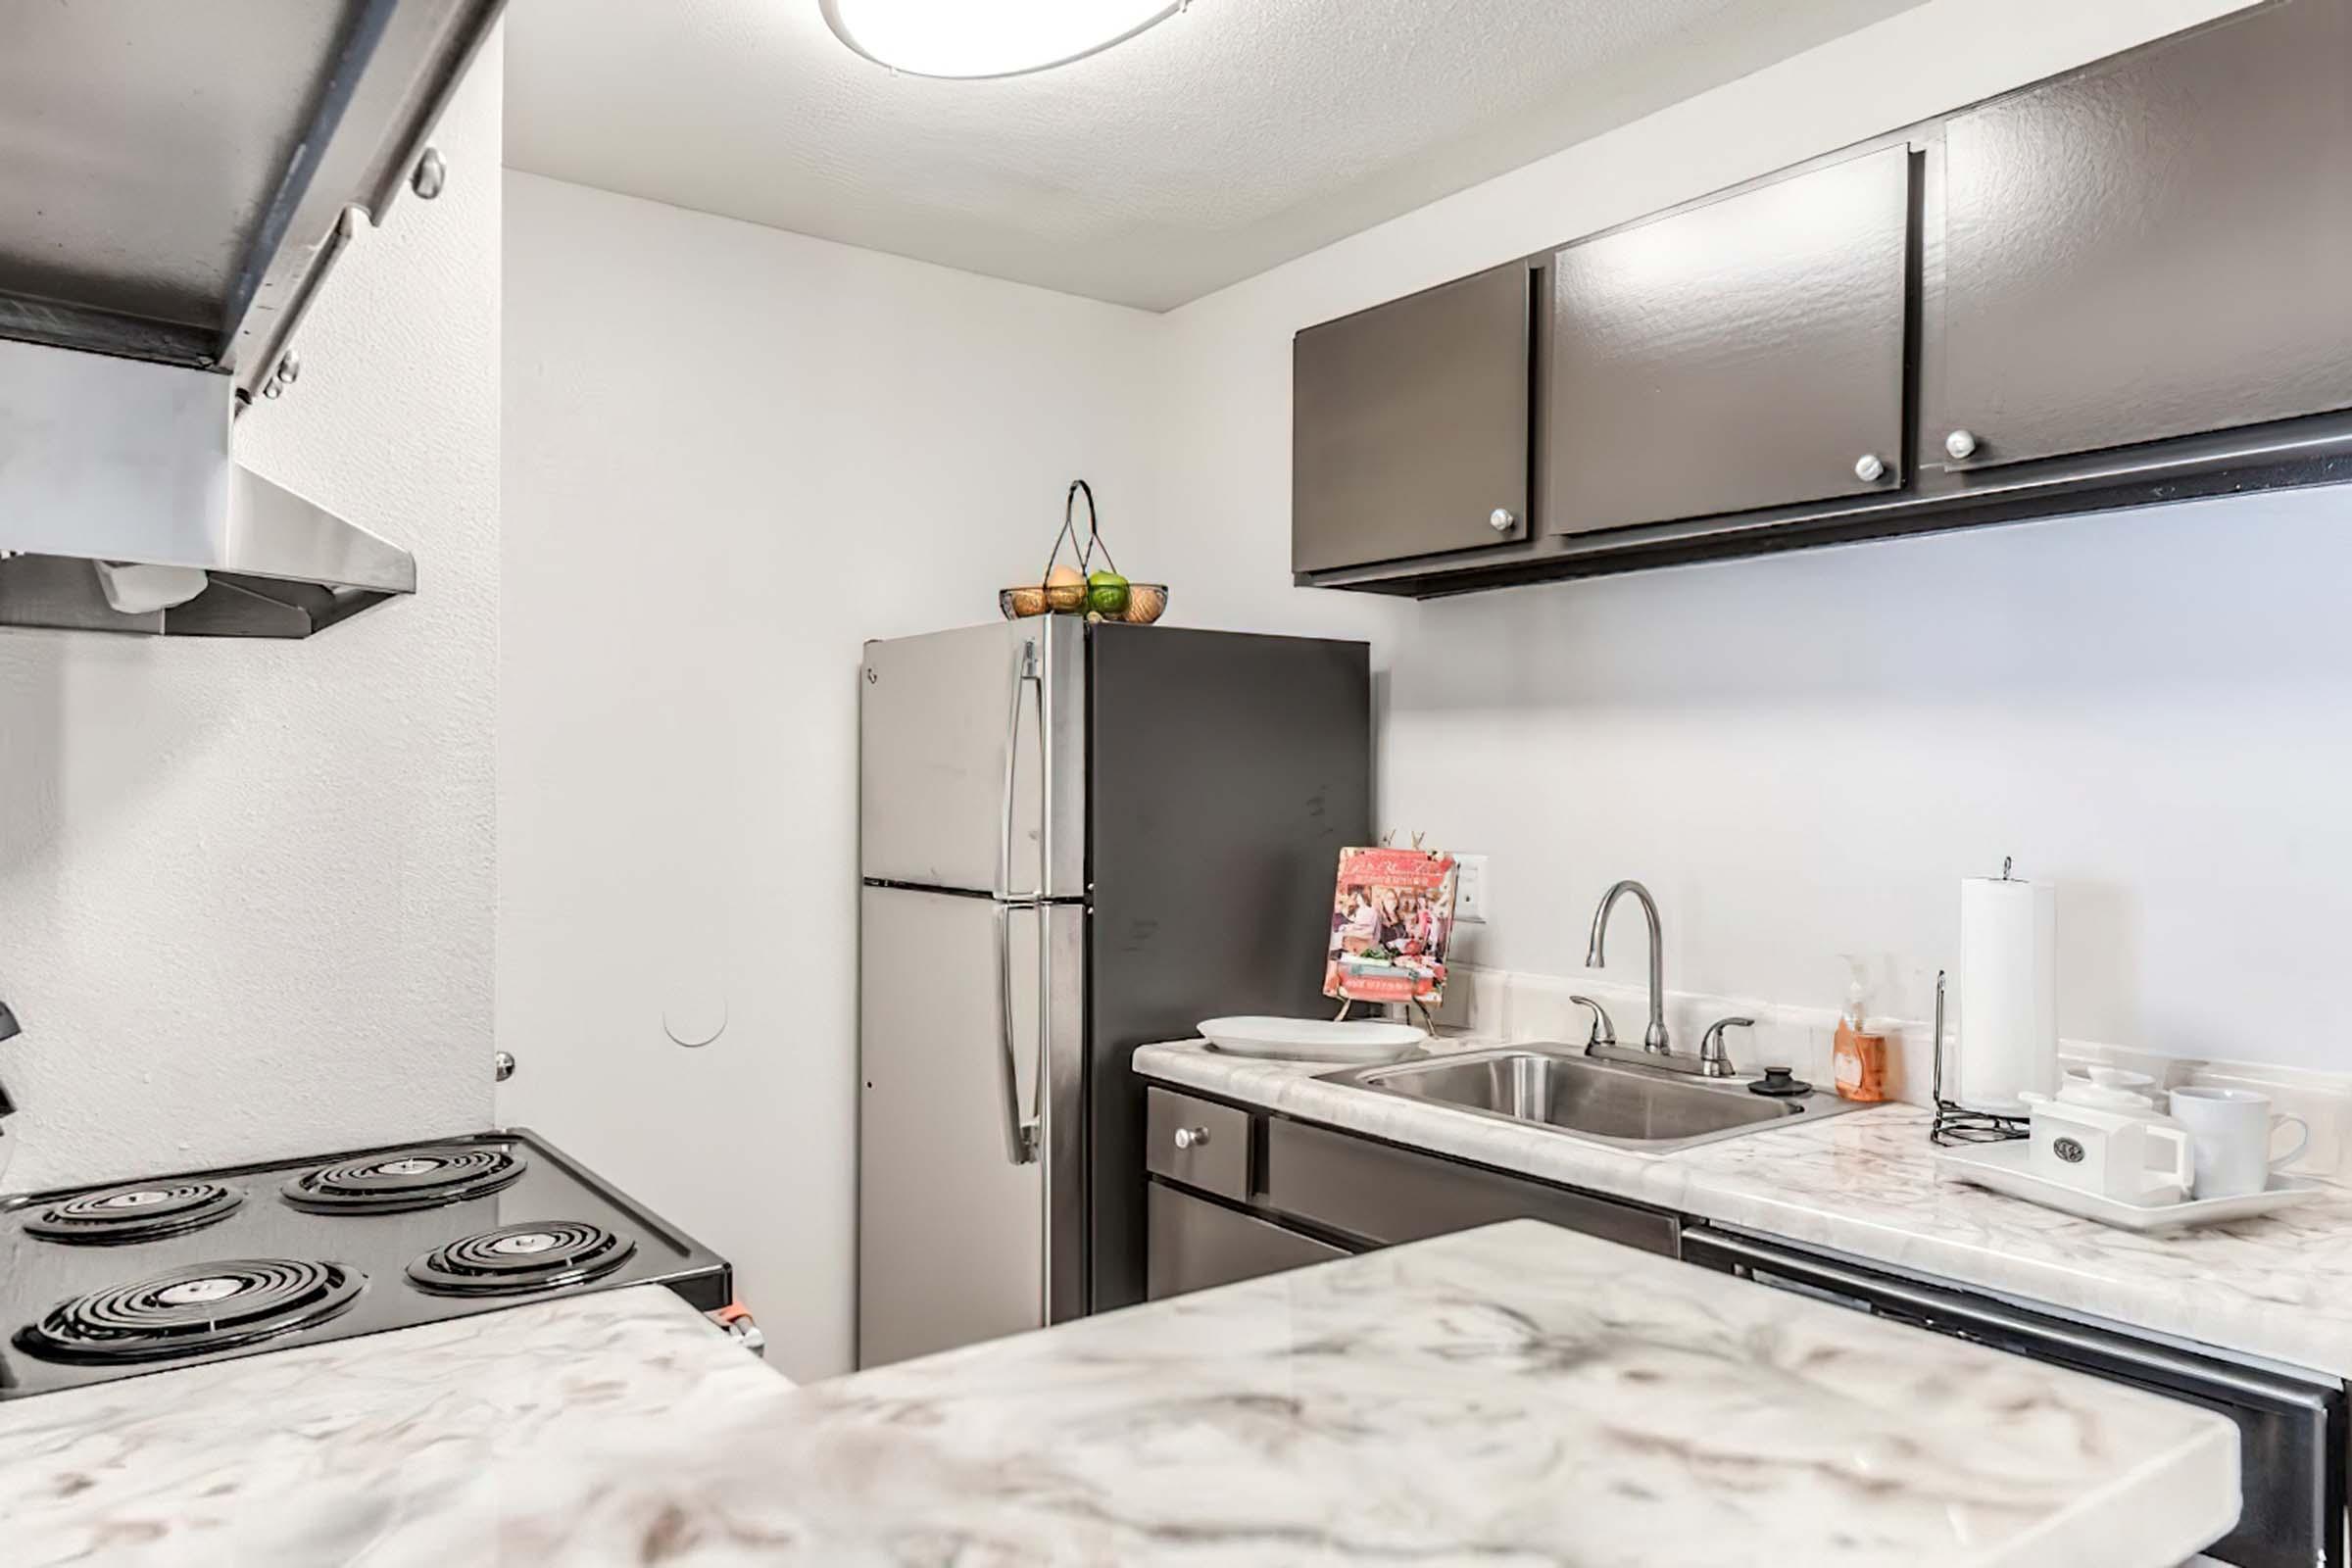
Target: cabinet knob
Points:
(1191, 1137)
(429, 175)
(1500, 519)
(1869, 468)
(1961, 444)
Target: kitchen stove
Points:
(105, 1282)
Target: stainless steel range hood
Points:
(179, 178)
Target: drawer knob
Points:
(1500, 519)
(1960, 445)
(1869, 468)
(1191, 1137)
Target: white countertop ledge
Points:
(2279, 1288)
(1513, 1396)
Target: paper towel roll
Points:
(2008, 992)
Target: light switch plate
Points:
(1470, 889)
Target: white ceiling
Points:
(1229, 138)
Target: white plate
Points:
(2004, 1168)
(1356, 1042)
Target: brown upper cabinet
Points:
(2120, 286)
(1409, 425)
(1746, 353)
(2153, 247)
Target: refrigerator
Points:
(1073, 838)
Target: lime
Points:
(1106, 593)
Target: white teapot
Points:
(2112, 1152)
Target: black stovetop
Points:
(99, 1282)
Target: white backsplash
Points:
(1506, 1007)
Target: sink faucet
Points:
(1714, 1061)
(1653, 1039)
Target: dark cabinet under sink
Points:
(1235, 1193)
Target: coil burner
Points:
(408, 1179)
(536, 1255)
(146, 1212)
(192, 1310)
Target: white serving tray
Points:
(2007, 1168)
(1356, 1042)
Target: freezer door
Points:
(966, 1230)
(1229, 771)
(942, 717)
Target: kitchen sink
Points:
(1560, 1089)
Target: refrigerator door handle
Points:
(1024, 676)
(1020, 1137)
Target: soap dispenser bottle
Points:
(1859, 1059)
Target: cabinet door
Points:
(1408, 425)
(1386, 1196)
(2154, 247)
(1196, 1245)
(1744, 354)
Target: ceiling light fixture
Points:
(974, 38)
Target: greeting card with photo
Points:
(1391, 919)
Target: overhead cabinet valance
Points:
(2118, 286)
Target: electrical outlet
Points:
(1470, 889)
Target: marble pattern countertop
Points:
(2277, 1286)
(1513, 1396)
(331, 1453)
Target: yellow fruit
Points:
(1064, 577)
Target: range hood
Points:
(181, 179)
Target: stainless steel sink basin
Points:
(1560, 1087)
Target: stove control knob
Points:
(1191, 1137)
(737, 1321)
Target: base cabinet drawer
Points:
(1196, 1243)
(1197, 1141)
(1387, 1196)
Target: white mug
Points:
(2231, 1131)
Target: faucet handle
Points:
(1602, 1032)
(1710, 1044)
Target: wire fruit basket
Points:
(1080, 590)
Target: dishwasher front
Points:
(2291, 1427)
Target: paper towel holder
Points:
(1955, 1123)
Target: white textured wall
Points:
(246, 887)
(732, 455)
(1802, 755)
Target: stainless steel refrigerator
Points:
(1074, 839)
